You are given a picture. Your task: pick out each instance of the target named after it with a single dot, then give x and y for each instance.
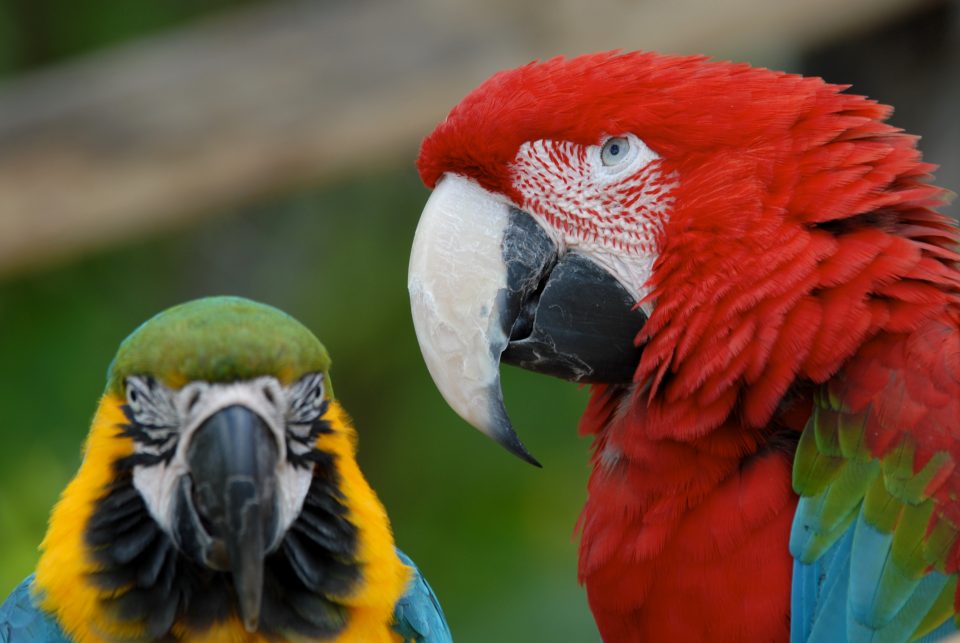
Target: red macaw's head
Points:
(665, 220)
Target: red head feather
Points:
(768, 165)
(677, 104)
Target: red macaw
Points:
(747, 267)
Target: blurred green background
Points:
(494, 536)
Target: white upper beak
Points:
(457, 274)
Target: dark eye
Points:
(133, 397)
(305, 399)
(317, 394)
(192, 402)
(614, 150)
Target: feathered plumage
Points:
(219, 499)
(793, 423)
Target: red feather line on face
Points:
(554, 179)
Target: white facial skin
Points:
(172, 416)
(608, 201)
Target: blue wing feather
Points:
(818, 608)
(21, 621)
(828, 604)
(418, 617)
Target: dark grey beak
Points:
(566, 316)
(488, 284)
(227, 514)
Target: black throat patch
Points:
(314, 566)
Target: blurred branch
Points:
(198, 120)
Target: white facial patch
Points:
(612, 209)
(182, 412)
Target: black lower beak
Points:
(227, 514)
(565, 317)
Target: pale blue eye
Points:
(614, 150)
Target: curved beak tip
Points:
(518, 449)
(455, 295)
(501, 430)
(251, 619)
(247, 561)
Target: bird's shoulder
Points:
(418, 617)
(22, 621)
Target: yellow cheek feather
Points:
(62, 579)
(384, 576)
(63, 571)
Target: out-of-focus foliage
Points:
(493, 535)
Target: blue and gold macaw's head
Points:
(219, 496)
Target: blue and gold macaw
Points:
(219, 499)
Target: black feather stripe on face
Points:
(305, 441)
(154, 438)
(314, 566)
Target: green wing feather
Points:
(876, 473)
